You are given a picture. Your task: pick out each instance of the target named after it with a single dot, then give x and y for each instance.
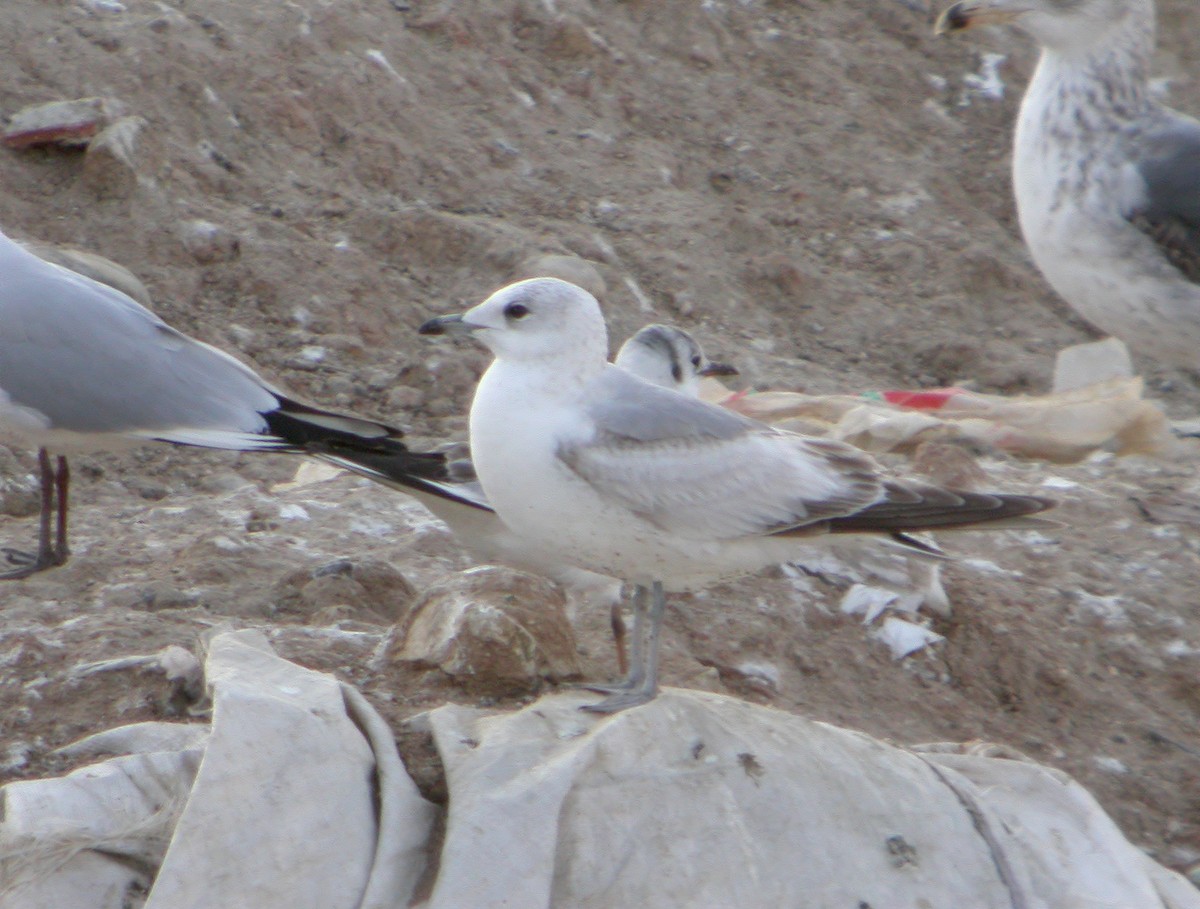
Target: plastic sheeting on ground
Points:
(296, 798)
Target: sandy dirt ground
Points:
(818, 190)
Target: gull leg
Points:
(46, 557)
(62, 486)
(645, 661)
(636, 669)
(617, 621)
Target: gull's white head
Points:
(1062, 25)
(537, 319)
(670, 357)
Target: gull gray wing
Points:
(1169, 165)
(89, 359)
(701, 472)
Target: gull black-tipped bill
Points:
(718, 369)
(445, 325)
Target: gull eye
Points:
(516, 311)
(696, 361)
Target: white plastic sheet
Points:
(297, 798)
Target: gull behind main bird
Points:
(1107, 180)
(83, 368)
(602, 470)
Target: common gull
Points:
(597, 468)
(661, 354)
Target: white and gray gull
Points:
(662, 355)
(1107, 180)
(597, 468)
(83, 367)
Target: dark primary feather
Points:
(917, 507)
(305, 426)
(423, 471)
(1170, 166)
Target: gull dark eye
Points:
(696, 361)
(516, 311)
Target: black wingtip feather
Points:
(307, 429)
(955, 510)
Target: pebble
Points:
(110, 163)
(94, 266)
(362, 585)
(209, 243)
(71, 124)
(1110, 764)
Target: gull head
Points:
(535, 319)
(670, 357)
(1057, 24)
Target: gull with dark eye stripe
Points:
(669, 357)
(1107, 179)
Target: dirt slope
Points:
(815, 189)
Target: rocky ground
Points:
(818, 191)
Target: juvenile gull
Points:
(83, 367)
(597, 468)
(660, 354)
(1107, 180)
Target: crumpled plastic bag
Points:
(295, 797)
(1062, 427)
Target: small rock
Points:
(151, 597)
(404, 398)
(570, 38)
(609, 214)
(1110, 764)
(949, 465)
(71, 124)
(263, 518)
(209, 243)
(93, 266)
(109, 166)
(496, 630)
(782, 272)
(150, 490)
(368, 585)
(20, 493)
(221, 482)
(762, 677)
